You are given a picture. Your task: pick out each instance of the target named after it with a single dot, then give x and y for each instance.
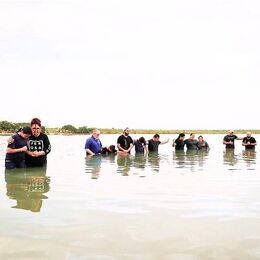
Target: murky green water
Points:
(166, 206)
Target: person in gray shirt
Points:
(191, 143)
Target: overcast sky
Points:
(139, 63)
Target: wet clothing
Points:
(153, 145)
(105, 151)
(139, 147)
(179, 144)
(229, 138)
(203, 145)
(94, 145)
(125, 141)
(16, 160)
(250, 140)
(191, 144)
(39, 144)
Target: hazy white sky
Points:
(139, 63)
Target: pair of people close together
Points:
(248, 141)
(28, 147)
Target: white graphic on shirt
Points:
(35, 145)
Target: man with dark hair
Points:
(125, 142)
(154, 143)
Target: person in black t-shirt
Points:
(249, 142)
(38, 146)
(229, 139)
(178, 143)
(154, 143)
(125, 141)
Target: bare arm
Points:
(165, 142)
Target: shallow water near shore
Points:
(171, 205)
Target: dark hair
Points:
(181, 135)
(191, 134)
(36, 121)
(112, 148)
(27, 130)
(200, 136)
(142, 140)
(156, 136)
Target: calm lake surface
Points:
(166, 206)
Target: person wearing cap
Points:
(15, 152)
(249, 142)
(93, 144)
(229, 139)
(125, 142)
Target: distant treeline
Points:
(10, 127)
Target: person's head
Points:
(112, 148)
(126, 131)
(192, 136)
(156, 137)
(142, 140)
(200, 138)
(231, 132)
(181, 136)
(248, 134)
(96, 133)
(36, 126)
(25, 132)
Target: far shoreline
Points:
(60, 131)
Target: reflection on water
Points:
(235, 161)
(124, 163)
(102, 207)
(190, 159)
(249, 157)
(154, 161)
(93, 166)
(27, 187)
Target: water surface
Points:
(171, 205)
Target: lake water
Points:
(169, 206)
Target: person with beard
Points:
(249, 142)
(125, 142)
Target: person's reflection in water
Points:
(179, 158)
(229, 157)
(192, 159)
(249, 156)
(202, 156)
(27, 186)
(154, 161)
(93, 165)
(140, 161)
(124, 162)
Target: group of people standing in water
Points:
(125, 143)
(29, 147)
